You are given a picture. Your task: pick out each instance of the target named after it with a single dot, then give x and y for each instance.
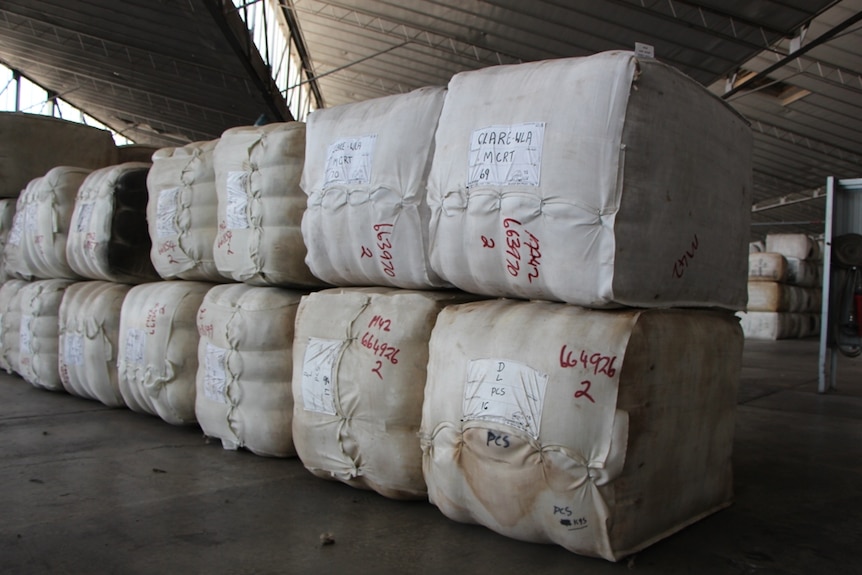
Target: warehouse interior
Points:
(93, 489)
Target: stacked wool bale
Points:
(36, 246)
(360, 354)
(38, 354)
(157, 356)
(604, 181)
(10, 324)
(260, 205)
(243, 394)
(89, 326)
(783, 289)
(36, 251)
(7, 215)
(182, 212)
(109, 240)
(109, 244)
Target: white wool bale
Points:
(601, 431)
(359, 358)
(243, 389)
(757, 246)
(774, 296)
(767, 266)
(800, 246)
(772, 325)
(32, 144)
(183, 212)
(366, 170)
(46, 209)
(157, 360)
(39, 333)
(7, 215)
(260, 205)
(601, 181)
(10, 324)
(109, 239)
(89, 337)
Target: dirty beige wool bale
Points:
(89, 340)
(245, 361)
(632, 189)
(109, 239)
(7, 215)
(366, 170)
(39, 333)
(601, 431)
(10, 324)
(805, 273)
(772, 325)
(182, 212)
(31, 144)
(800, 246)
(260, 205)
(47, 210)
(358, 382)
(774, 296)
(157, 359)
(767, 266)
(135, 153)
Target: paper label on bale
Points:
(166, 213)
(505, 391)
(215, 375)
(506, 155)
(73, 349)
(14, 238)
(136, 342)
(236, 212)
(349, 161)
(26, 334)
(85, 213)
(318, 373)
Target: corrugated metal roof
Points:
(166, 72)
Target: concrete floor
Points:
(87, 489)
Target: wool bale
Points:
(601, 181)
(366, 170)
(601, 431)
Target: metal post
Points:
(825, 293)
(16, 75)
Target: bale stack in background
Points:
(182, 212)
(784, 295)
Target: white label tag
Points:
(166, 213)
(507, 392)
(136, 341)
(25, 335)
(349, 161)
(215, 375)
(73, 349)
(644, 50)
(318, 366)
(85, 212)
(236, 214)
(506, 155)
(17, 229)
